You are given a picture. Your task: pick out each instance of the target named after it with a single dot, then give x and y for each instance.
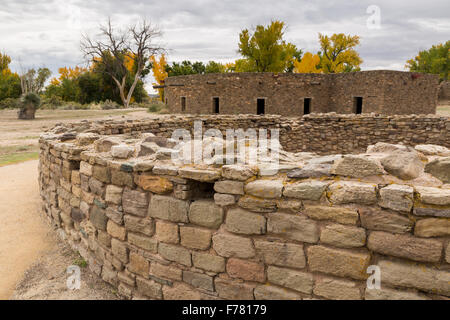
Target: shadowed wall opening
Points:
(183, 103)
(216, 108)
(307, 106)
(358, 105)
(260, 106)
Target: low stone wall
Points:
(320, 133)
(160, 231)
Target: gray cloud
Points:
(48, 32)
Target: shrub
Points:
(31, 99)
(109, 104)
(158, 108)
(9, 103)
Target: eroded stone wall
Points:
(160, 231)
(386, 92)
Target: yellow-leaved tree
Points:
(308, 64)
(159, 72)
(68, 73)
(338, 53)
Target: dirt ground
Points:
(31, 258)
(33, 262)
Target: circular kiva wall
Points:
(316, 228)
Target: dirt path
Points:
(24, 236)
(33, 261)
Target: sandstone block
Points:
(404, 165)
(206, 213)
(140, 225)
(294, 227)
(232, 290)
(149, 288)
(113, 194)
(168, 208)
(246, 270)
(116, 231)
(154, 184)
(175, 254)
(97, 187)
(222, 199)
(143, 242)
(309, 190)
(268, 292)
(121, 178)
(257, 205)
(397, 197)
(415, 276)
(180, 291)
(390, 294)
(139, 265)
(338, 262)
(120, 250)
(167, 272)
(86, 168)
(432, 227)
(265, 188)
(122, 151)
(296, 280)
(343, 236)
(135, 202)
(434, 196)
(195, 238)
(208, 262)
(336, 214)
(357, 166)
(281, 254)
(167, 232)
(98, 218)
(198, 280)
(233, 246)
(352, 192)
(337, 289)
(237, 172)
(244, 222)
(405, 246)
(229, 186)
(383, 220)
(199, 174)
(101, 173)
(439, 168)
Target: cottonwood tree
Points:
(338, 53)
(34, 81)
(265, 50)
(115, 49)
(434, 60)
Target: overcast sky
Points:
(47, 33)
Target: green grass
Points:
(80, 262)
(15, 154)
(8, 159)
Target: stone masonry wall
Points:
(386, 92)
(159, 231)
(320, 133)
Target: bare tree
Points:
(111, 49)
